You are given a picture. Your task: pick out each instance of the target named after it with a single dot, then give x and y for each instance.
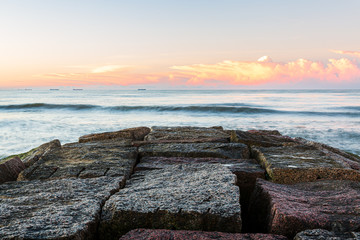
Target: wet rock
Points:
(136, 134)
(184, 196)
(10, 169)
(186, 133)
(321, 234)
(35, 154)
(85, 160)
(262, 138)
(162, 234)
(290, 209)
(301, 163)
(54, 209)
(197, 150)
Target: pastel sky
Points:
(167, 44)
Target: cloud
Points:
(105, 75)
(265, 59)
(108, 68)
(351, 53)
(264, 72)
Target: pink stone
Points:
(10, 169)
(289, 209)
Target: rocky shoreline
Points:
(181, 183)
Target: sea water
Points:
(30, 118)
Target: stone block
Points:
(246, 170)
(54, 209)
(321, 234)
(36, 154)
(189, 197)
(197, 150)
(351, 160)
(262, 138)
(10, 169)
(136, 134)
(85, 160)
(301, 163)
(186, 133)
(162, 234)
(290, 209)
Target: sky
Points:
(168, 44)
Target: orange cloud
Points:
(265, 71)
(351, 53)
(103, 75)
(225, 73)
(108, 68)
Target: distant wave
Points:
(353, 108)
(205, 108)
(29, 106)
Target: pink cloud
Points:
(260, 72)
(225, 73)
(351, 53)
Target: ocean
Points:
(31, 118)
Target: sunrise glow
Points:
(172, 46)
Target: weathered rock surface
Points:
(246, 170)
(136, 134)
(301, 163)
(201, 140)
(84, 160)
(350, 160)
(187, 133)
(10, 169)
(35, 154)
(55, 209)
(190, 197)
(262, 138)
(184, 181)
(162, 234)
(289, 209)
(197, 150)
(321, 234)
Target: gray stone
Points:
(193, 197)
(35, 154)
(197, 150)
(84, 160)
(351, 160)
(54, 209)
(262, 138)
(322, 234)
(302, 163)
(136, 134)
(186, 133)
(162, 234)
(246, 170)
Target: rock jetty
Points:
(181, 183)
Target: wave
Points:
(44, 106)
(232, 108)
(353, 108)
(196, 108)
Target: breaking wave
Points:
(205, 108)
